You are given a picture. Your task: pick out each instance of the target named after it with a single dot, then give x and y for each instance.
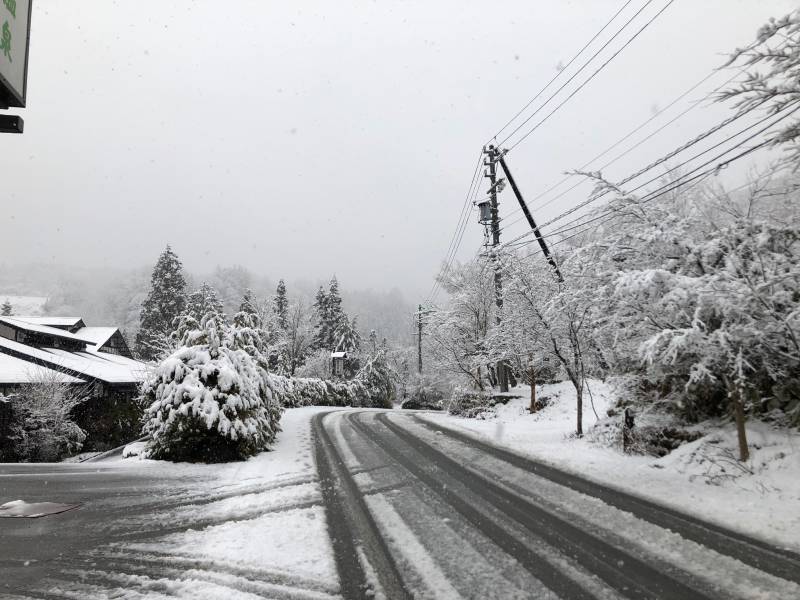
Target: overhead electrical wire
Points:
(586, 82)
(696, 180)
(662, 160)
(571, 225)
(458, 242)
(585, 165)
(562, 71)
(458, 233)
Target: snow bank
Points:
(759, 498)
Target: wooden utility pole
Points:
(492, 156)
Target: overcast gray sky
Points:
(304, 138)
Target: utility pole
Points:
(492, 156)
(419, 340)
(420, 312)
(529, 218)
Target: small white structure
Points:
(337, 360)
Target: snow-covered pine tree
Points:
(6, 309)
(336, 316)
(247, 333)
(248, 303)
(210, 400)
(202, 301)
(347, 337)
(321, 321)
(165, 302)
(280, 304)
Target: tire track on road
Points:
(750, 551)
(552, 578)
(627, 574)
(351, 525)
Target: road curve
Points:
(419, 511)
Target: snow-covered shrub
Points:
(424, 395)
(210, 401)
(376, 379)
(473, 404)
(42, 428)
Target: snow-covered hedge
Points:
(210, 400)
(293, 392)
(372, 387)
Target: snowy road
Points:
(418, 511)
(354, 501)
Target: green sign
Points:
(15, 23)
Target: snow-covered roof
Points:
(28, 326)
(49, 321)
(108, 368)
(98, 335)
(16, 370)
(338, 354)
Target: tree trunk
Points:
(532, 378)
(741, 433)
(579, 430)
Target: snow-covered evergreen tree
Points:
(348, 339)
(7, 309)
(210, 401)
(202, 301)
(335, 315)
(165, 302)
(248, 303)
(280, 304)
(322, 332)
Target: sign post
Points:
(15, 31)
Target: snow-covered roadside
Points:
(764, 503)
(261, 520)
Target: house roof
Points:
(89, 363)
(98, 335)
(50, 321)
(16, 370)
(18, 323)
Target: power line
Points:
(455, 240)
(663, 159)
(561, 71)
(458, 225)
(692, 106)
(673, 185)
(581, 86)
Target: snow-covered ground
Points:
(263, 515)
(761, 498)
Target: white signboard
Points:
(15, 17)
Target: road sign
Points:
(15, 31)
